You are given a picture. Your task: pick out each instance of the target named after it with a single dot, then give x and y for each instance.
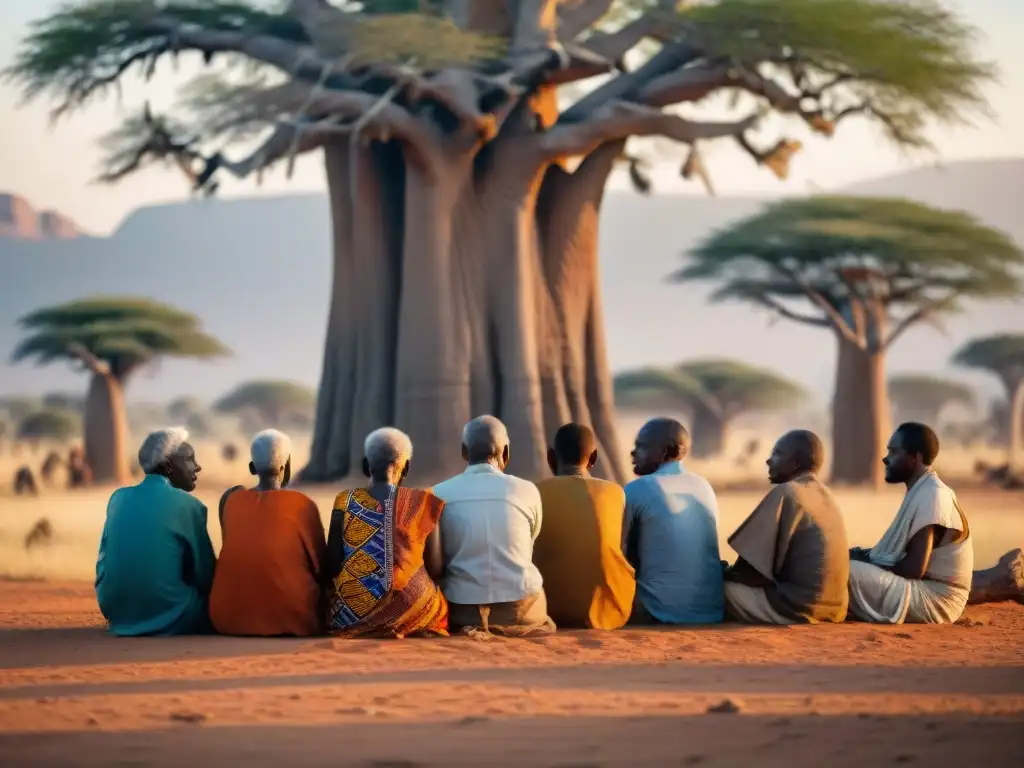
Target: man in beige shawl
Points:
(793, 563)
(920, 570)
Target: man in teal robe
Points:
(155, 566)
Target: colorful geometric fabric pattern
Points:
(368, 563)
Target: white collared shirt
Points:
(488, 526)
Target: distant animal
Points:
(41, 533)
(229, 452)
(1001, 476)
(51, 464)
(25, 482)
(79, 472)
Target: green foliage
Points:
(920, 256)
(738, 387)
(124, 332)
(921, 392)
(656, 388)
(725, 387)
(272, 399)
(913, 59)
(1002, 354)
(50, 424)
(82, 49)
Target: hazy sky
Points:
(53, 165)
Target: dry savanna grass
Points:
(997, 516)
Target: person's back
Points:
(671, 537)
(811, 581)
(155, 563)
(487, 533)
(587, 579)
(488, 528)
(269, 573)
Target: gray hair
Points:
(485, 437)
(270, 451)
(385, 447)
(160, 446)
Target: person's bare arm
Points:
(220, 508)
(433, 555)
(744, 573)
(914, 564)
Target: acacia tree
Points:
(271, 403)
(1003, 356)
(714, 392)
(870, 269)
(111, 338)
(921, 397)
(465, 263)
(50, 423)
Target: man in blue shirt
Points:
(670, 532)
(155, 566)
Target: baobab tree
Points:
(713, 392)
(922, 397)
(111, 338)
(1003, 356)
(464, 196)
(870, 269)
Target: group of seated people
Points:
(485, 551)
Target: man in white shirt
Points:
(488, 527)
(670, 533)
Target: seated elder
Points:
(670, 532)
(488, 528)
(920, 571)
(793, 563)
(273, 554)
(383, 552)
(156, 562)
(587, 579)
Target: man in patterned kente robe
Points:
(383, 550)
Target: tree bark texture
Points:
(1015, 393)
(461, 288)
(710, 433)
(861, 423)
(106, 430)
(861, 414)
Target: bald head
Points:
(796, 453)
(574, 449)
(659, 441)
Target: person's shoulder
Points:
(522, 486)
(605, 488)
(445, 486)
(638, 484)
(185, 498)
(701, 484)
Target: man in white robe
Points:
(920, 570)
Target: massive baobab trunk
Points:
(569, 210)
(861, 422)
(106, 429)
(455, 293)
